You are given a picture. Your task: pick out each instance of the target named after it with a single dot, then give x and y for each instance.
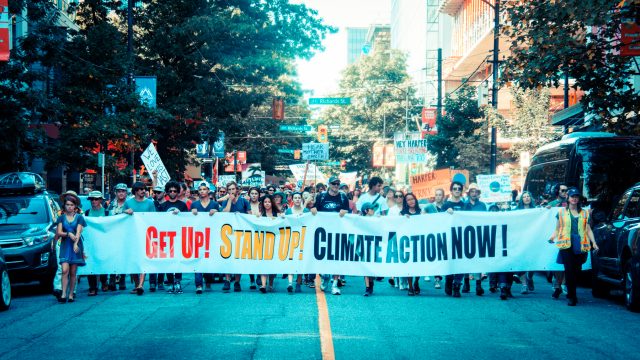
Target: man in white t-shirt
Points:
(374, 197)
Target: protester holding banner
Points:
(206, 205)
(560, 192)
(434, 208)
(254, 200)
(237, 204)
(474, 204)
(453, 282)
(138, 203)
(116, 208)
(574, 238)
(270, 209)
(174, 206)
(69, 228)
(185, 195)
(369, 209)
(526, 202)
(397, 203)
(410, 207)
(332, 200)
(280, 200)
(95, 197)
(297, 209)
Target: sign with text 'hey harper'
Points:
(410, 148)
(152, 162)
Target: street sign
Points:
(315, 151)
(330, 101)
(286, 151)
(296, 128)
(101, 159)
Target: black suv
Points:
(617, 263)
(27, 226)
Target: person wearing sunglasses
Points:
(174, 206)
(116, 208)
(453, 282)
(561, 201)
(395, 207)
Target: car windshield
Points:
(23, 210)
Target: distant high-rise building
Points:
(356, 39)
(378, 38)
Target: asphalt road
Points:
(250, 325)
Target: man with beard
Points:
(174, 206)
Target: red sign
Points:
(4, 30)
(241, 157)
(630, 39)
(429, 116)
(277, 109)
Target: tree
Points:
(549, 39)
(461, 141)
(529, 125)
(23, 105)
(378, 86)
(218, 63)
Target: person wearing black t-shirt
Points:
(453, 282)
(238, 204)
(332, 200)
(174, 206)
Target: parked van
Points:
(601, 165)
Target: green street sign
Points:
(286, 151)
(330, 101)
(296, 128)
(332, 163)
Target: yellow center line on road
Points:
(326, 339)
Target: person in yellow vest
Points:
(574, 239)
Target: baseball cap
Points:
(120, 186)
(95, 195)
(158, 188)
(333, 179)
(573, 192)
(366, 206)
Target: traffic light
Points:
(296, 154)
(343, 164)
(323, 136)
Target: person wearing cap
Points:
(369, 209)
(452, 282)
(206, 205)
(374, 197)
(139, 203)
(96, 210)
(332, 200)
(474, 204)
(280, 200)
(69, 228)
(116, 208)
(158, 196)
(574, 238)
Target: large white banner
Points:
(432, 244)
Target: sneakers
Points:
(525, 289)
(290, 288)
(437, 284)
(556, 293)
(170, 289)
(263, 289)
(177, 287)
(226, 286)
(335, 290)
(427, 278)
(322, 284)
(392, 282)
(368, 291)
(236, 287)
(198, 290)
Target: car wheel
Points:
(631, 288)
(598, 288)
(5, 289)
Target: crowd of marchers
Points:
(573, 235)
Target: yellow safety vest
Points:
(564, 236)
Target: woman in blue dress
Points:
(70, 226)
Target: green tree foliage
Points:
(578, 37)
(529, 125)
(378, 86)
(23, 103)
(461, 141)
(217, 62)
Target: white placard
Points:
(152, 162)
(223, 180)
(313, 174)
(494, 188)
(410, 148)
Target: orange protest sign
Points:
(425, 185)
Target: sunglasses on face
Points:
(173, 191)
(456, 188)
(92, 199)
(336, 183)
(563, 190)
(157, 192)
(398, 195)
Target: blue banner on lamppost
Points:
(218, 146)
(146, 88)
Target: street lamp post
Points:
(494, 97)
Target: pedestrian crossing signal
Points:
(296, 154)
(323, 136)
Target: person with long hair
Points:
(410, 207)
(297, 209)
(526, 202)
(574, 238)
(70, 226)
(271, 210)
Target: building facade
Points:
(356, 40)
